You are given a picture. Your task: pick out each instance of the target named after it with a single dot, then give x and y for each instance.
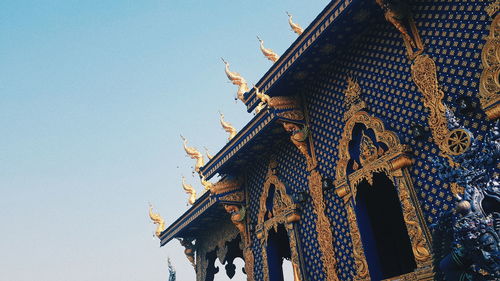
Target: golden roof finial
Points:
(227, 127)
(208, 185)
(237, 80)
(189, 189)
(295, 27)
(193, 153)
(264, 99)
(157, 219)
(207, 153)
(268, 53)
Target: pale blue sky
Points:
(93, 97)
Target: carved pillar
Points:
(301, 138)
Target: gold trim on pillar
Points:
(300, 136)
(284, 212)
(489, 84)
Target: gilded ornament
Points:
(268, 53)
(227, 127)
(398, 13)
(237, 80)
(189, 190)
(294, 26)
(458, 141)
(207, 153)
(489, 82)
(264, 100)
(424, 75)
(206, 184)
(158, 220)
(357, 246)
(493, 8)
(193, 153)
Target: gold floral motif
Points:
(489, 84)
(357, 247)
(424, 75)
(493, 8)
(456, 189)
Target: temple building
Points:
(372, 155)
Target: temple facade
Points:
(372, 155)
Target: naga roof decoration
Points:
(297, 63)
(158, 220)
(227, 127)
(238, 80)
(294, 26)
(268, 53)
(193, 153)
(189, 189)
(207, 209)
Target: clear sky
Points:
(93, 97)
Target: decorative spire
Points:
(157, 219)
(237, 80)
(207, 153)
(193, 153)
(295, 27)
(268, 53)
(189, 190)
(227, 127)
(208, 185)
(264, 99)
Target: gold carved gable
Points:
(283, 208)
(373, 153)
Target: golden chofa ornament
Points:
(189, 189)
(236, 79)
(268, 53)
(157, 219)
(208, 154)
(295, 27)
(193, 153)
(227, 127)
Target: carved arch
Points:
(284, 212)
(389, 156)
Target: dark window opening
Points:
(278, 249)
(383, 231)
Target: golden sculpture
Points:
(237, 80)
(264, 100)
(268, 53)
(207, 153)
(227, 127)
(157, 219)
(189, 190)
(208, 185)
(193, 153)
(237, 217)
(294, 26)
(489, 83)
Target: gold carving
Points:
(264, 100)
(399, 15)
(357, 246)
(225, 185)
(489, 83)
(238, 214)
(207, 153)
(227, 127)
(188, 249)
(456, 189)
(268, 53)
(189, 189)
(193, 153)
(206, 184)
(299, 134)
(424, 75)
(284, 212)
(493, 8)
(237, 80)
(374, 159)
(157, 219)
(295, 27)
(458, 141)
